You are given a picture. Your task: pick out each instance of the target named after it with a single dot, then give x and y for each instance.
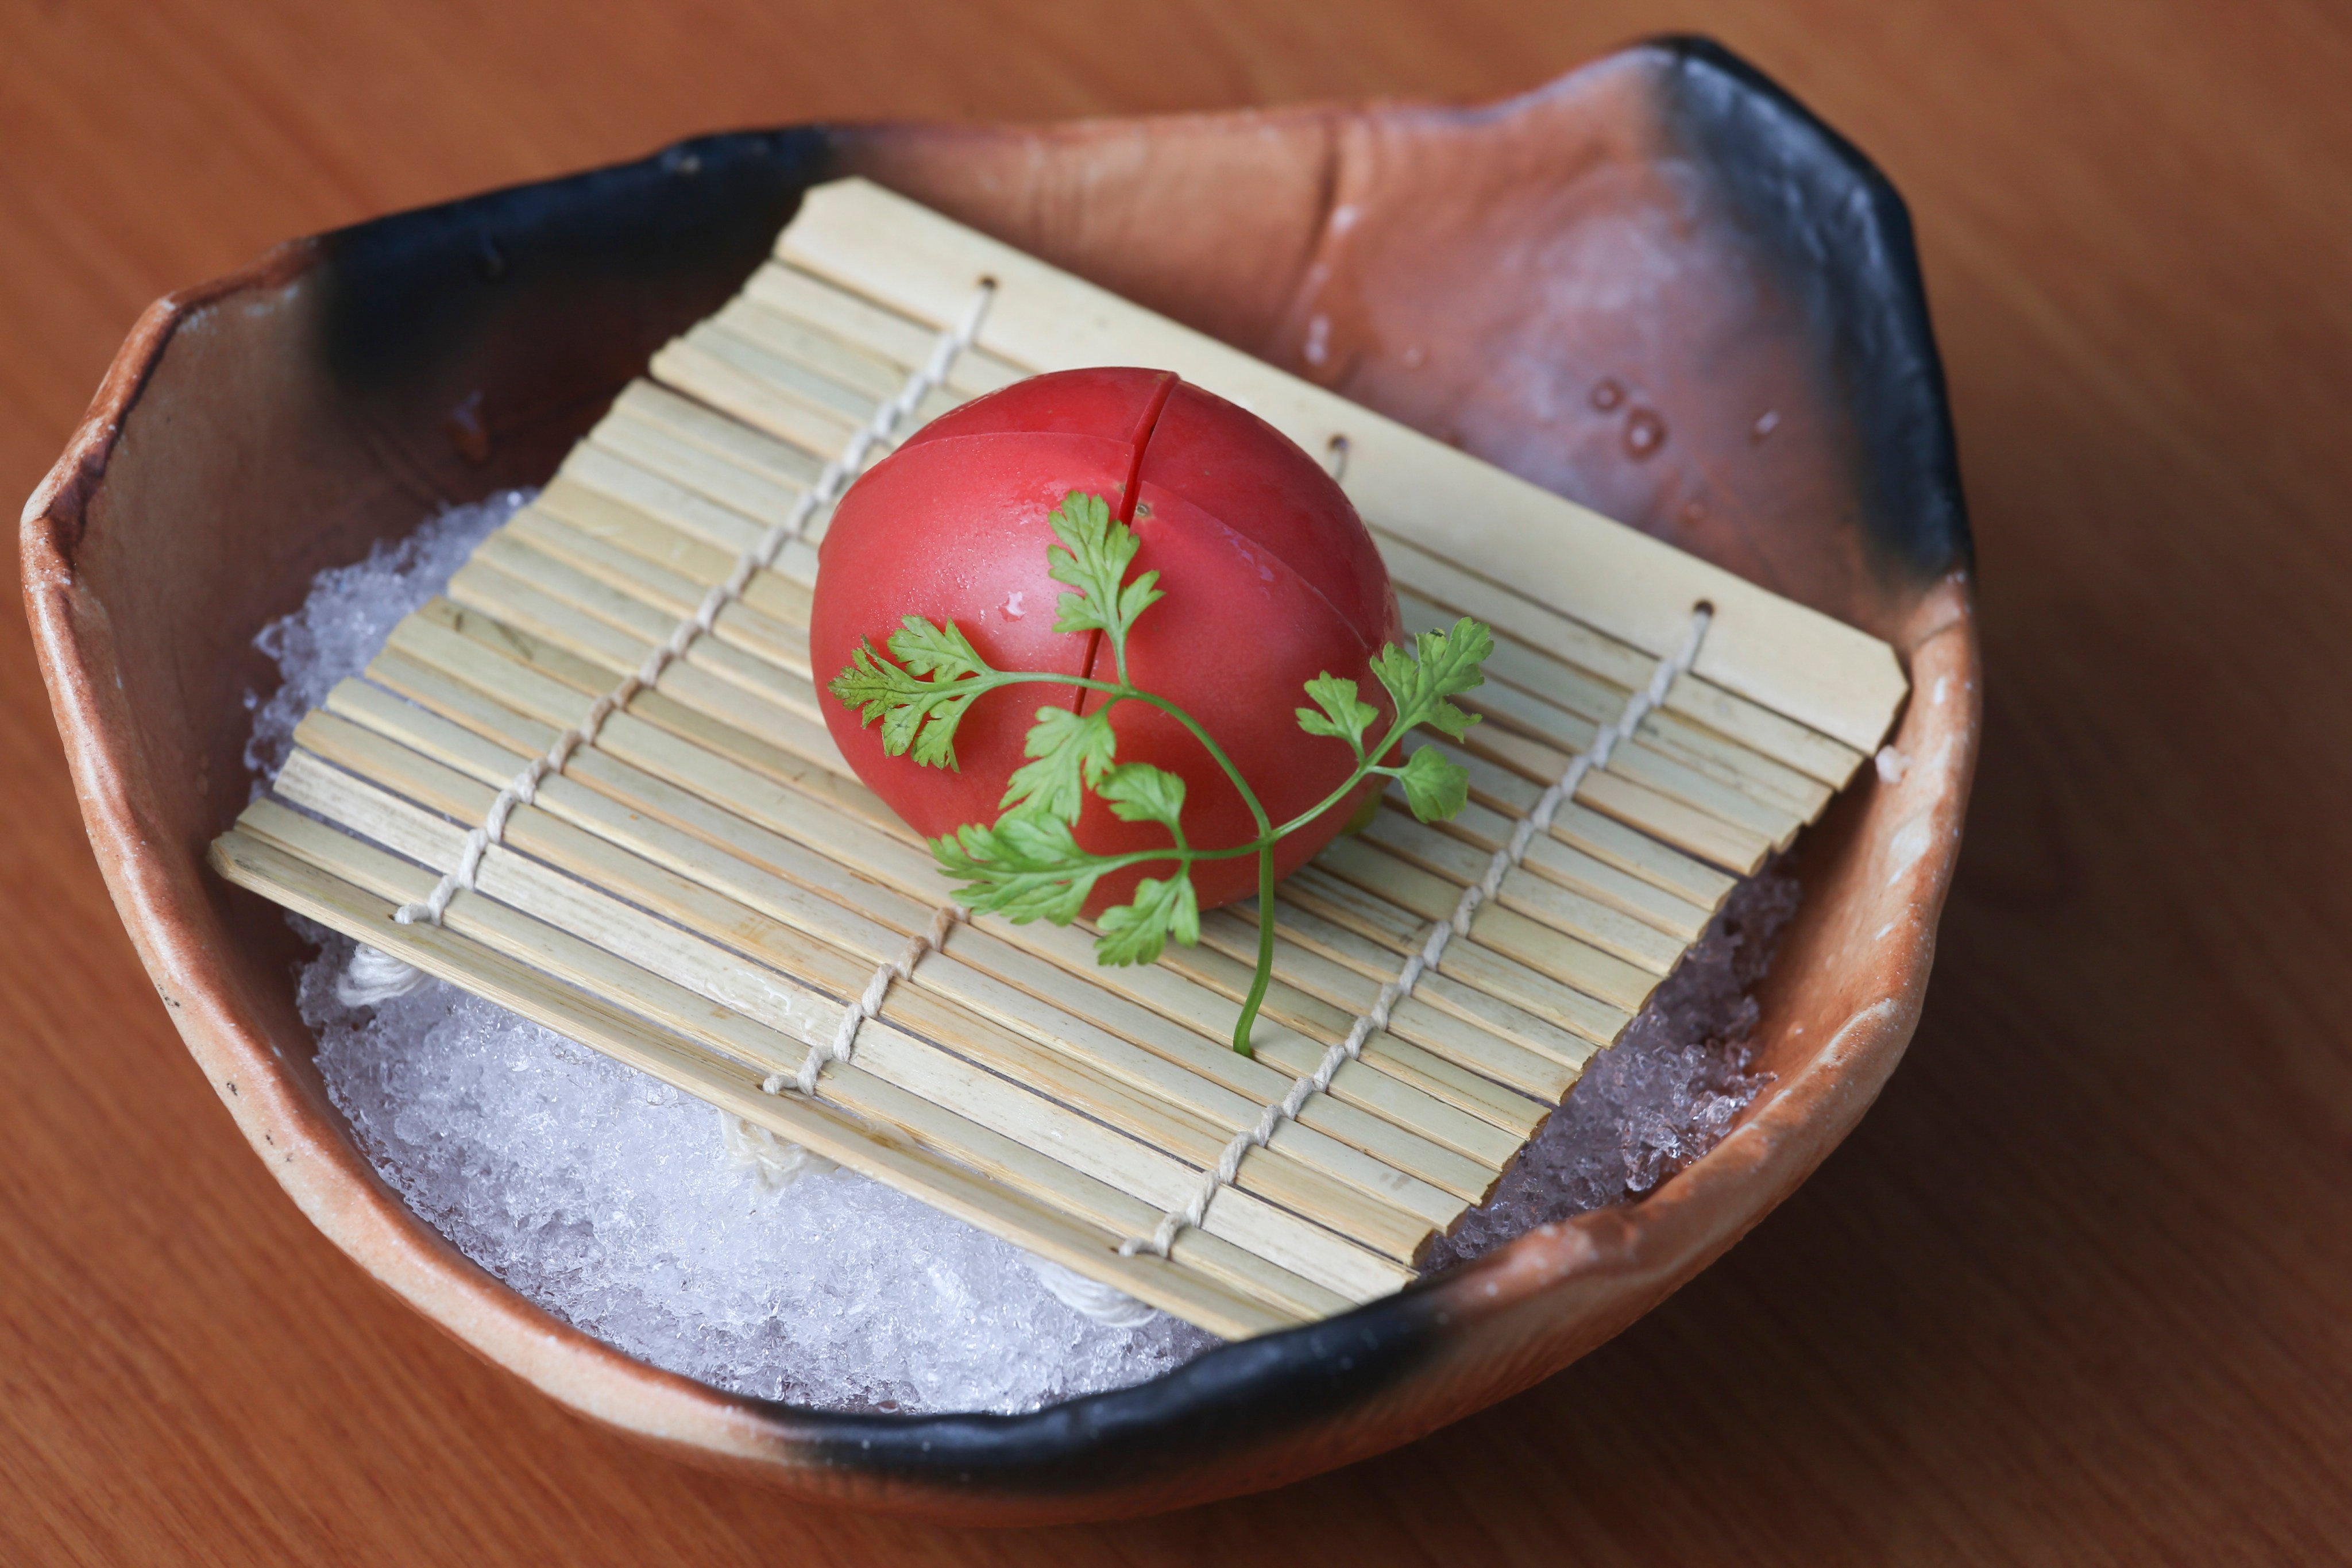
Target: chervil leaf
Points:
(1344, 714)
(1027, 866)
(1137, 792)
(941, 651)
(866, 682)
(917, 716)
(1436, 786)
(1071, 753)
(1447, 665)
(931, 743)
(1093, 557)
(1137, 598)
(1136, 933)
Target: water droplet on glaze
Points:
(1645, 433)
(1343, 218)
(1607, 393)
(1766, 423)
(1318, 340)
(1013, 610)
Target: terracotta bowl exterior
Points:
(1663, 235)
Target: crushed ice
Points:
(348, 612)
(626, 1209)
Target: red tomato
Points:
(1270, 579)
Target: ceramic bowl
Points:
(1663, 234)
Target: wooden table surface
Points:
(2081, 1287)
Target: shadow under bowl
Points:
(1657, 285)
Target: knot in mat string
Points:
(374, 976)
(835, 479)
(1638, 707)
(865, 1005)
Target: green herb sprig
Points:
(1028, 864)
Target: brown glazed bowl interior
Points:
(1657, 285)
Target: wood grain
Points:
(2079, 1290)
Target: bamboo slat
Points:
(594, 467)
(857, 320)
(703, 889)
(710, 364)
(1439, 990)
(1583, 833)
(698, 428)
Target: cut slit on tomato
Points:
(1137, 444)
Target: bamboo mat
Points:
(706, 889)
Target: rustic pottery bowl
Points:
(1658, 285)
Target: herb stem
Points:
(1268, 834)
(1265, 975)
(1119, 690)
(1365, 768)
(1363, 772)
(1249, 796)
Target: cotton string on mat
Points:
(593, 784)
